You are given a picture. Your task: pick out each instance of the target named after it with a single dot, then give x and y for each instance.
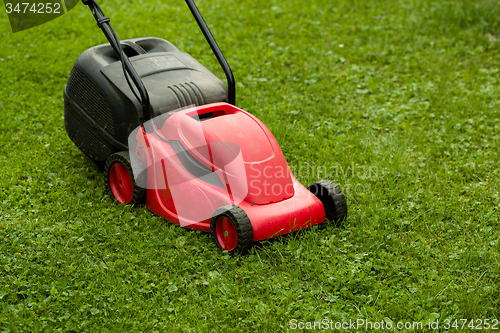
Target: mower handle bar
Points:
(103, 22)
(231, 86)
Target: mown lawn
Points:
(395, 100)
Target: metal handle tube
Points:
(231, 86)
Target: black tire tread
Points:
(242, 225)
(337, 213)
(123, 157)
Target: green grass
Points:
(396, 101)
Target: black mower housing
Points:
(100, 109)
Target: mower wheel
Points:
(332, 199)
(120, 182)
(231, 230)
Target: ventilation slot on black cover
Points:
(187, 94)
(84, 139)
(85, 94)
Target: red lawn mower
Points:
(169, 134)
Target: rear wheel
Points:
(231, 230)
(332, 198)
(120, 182)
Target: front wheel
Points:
(332, 198)
(231, 230)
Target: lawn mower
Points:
(167, 132)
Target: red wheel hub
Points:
(121, 183)
(226, 233)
